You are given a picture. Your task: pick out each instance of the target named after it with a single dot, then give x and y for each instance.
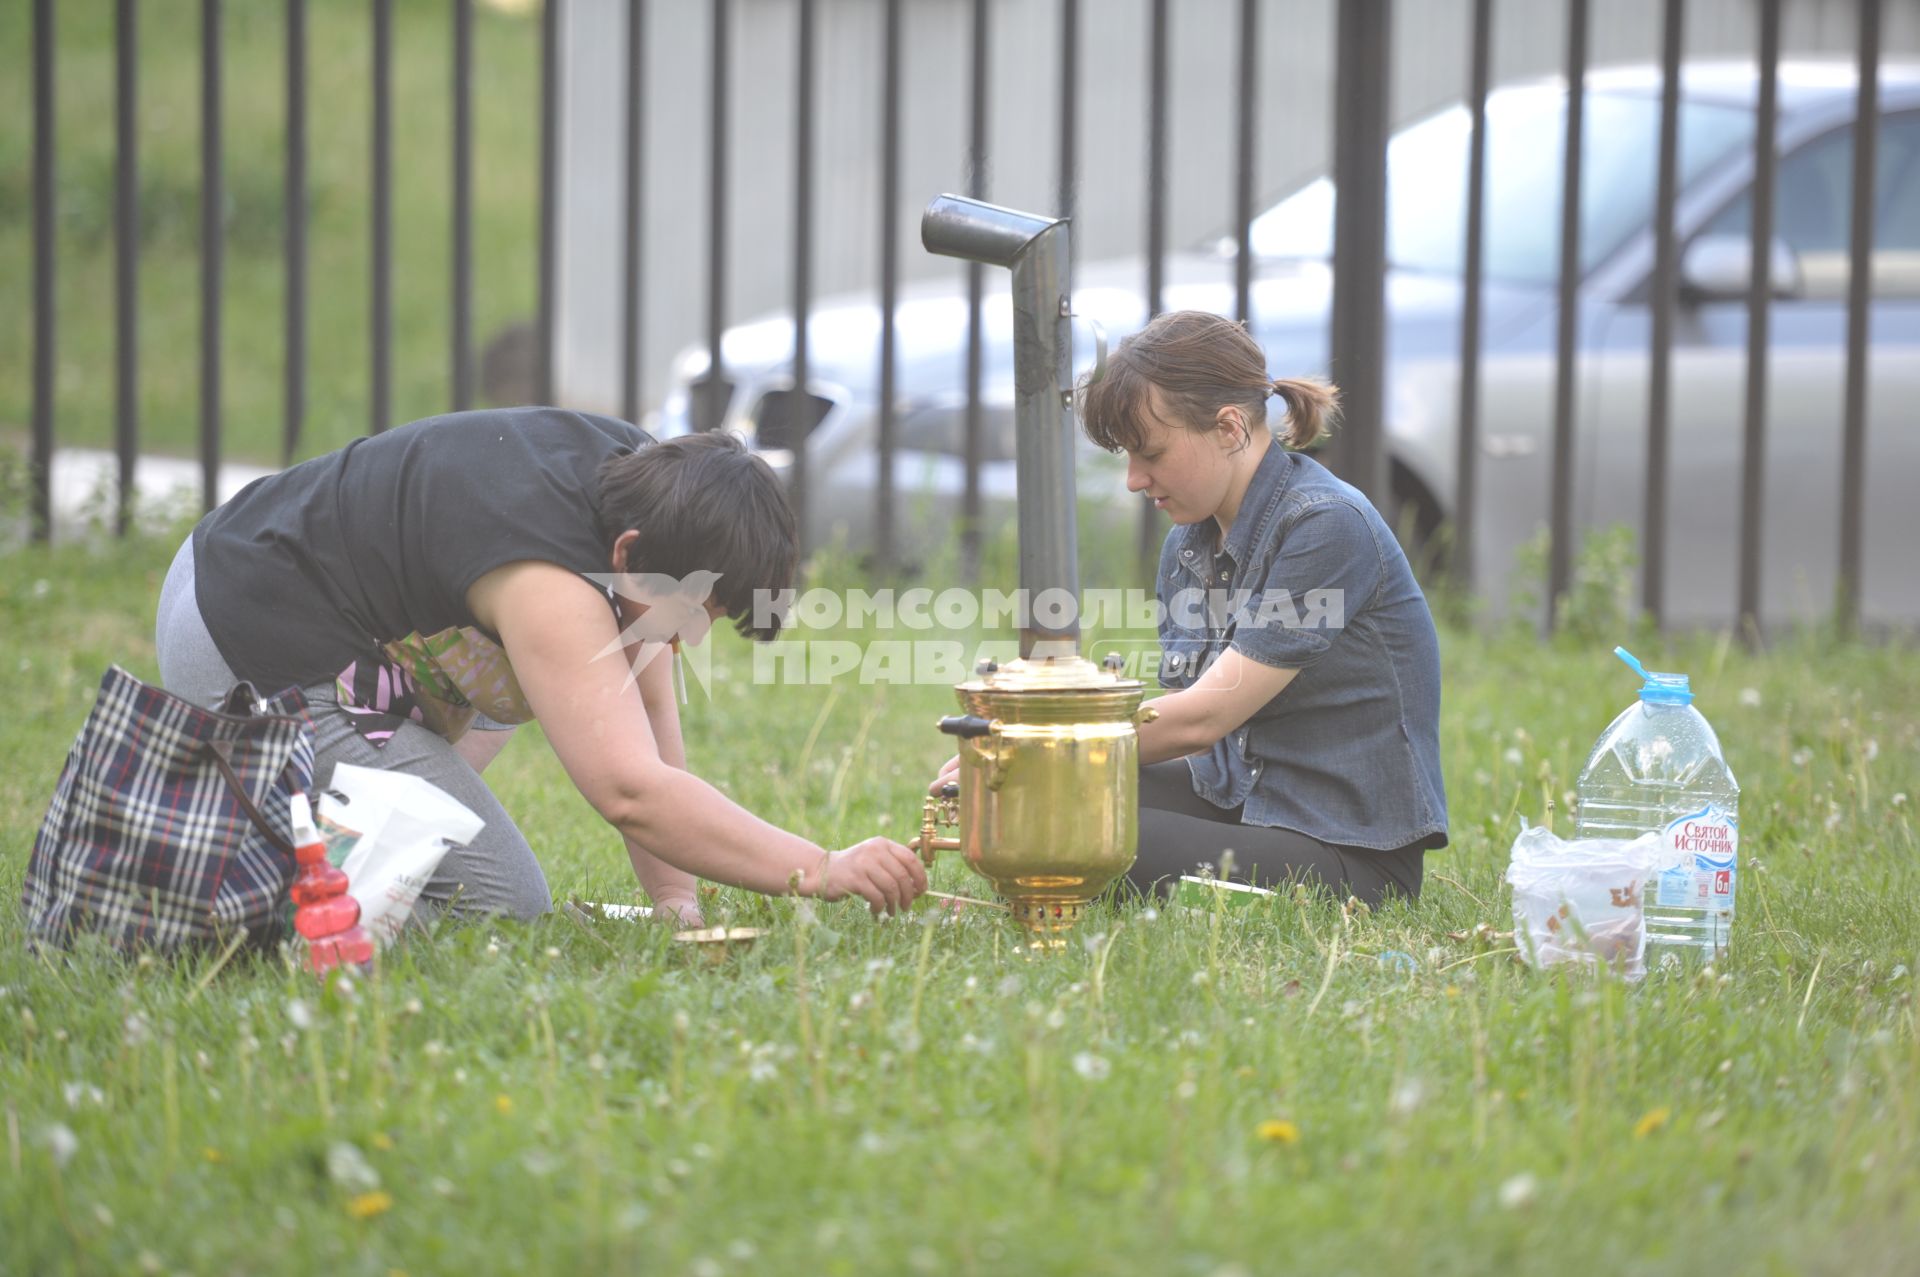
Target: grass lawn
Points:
(1181, 1093)
(339, 111)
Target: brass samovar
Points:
(1046, 805)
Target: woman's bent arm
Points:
(567, 655)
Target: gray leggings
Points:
(1180, 831)
(495, 873)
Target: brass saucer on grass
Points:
(717, 944)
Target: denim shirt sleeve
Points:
(1324, 570)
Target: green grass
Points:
(339, 40)
(861, 1097)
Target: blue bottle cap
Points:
(1658, 688)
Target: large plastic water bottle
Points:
(1659, 768)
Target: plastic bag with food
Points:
(1582, 900)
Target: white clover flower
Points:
(1802, 756)
(1093, 1067)
(1056, 1018)
(1407, 1098)
(860, 1001)
(1513, 757)
(300, 1013)
(1750, 697)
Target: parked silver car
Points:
(1427, 170)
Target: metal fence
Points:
(1358, 321)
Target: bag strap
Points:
(221, 752)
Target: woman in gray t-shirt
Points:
(429, 587)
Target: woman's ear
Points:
(1230, 425)
(620, 558)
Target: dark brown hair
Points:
(1201, 364)
(703, 502)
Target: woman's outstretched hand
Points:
(949, 773)
(880, 871)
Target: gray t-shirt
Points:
(307, 573)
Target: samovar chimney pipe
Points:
(1036, 249)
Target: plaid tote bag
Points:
(170, 824)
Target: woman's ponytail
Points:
(1313, 409)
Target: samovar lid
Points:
(1072, 673)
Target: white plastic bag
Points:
(397, 829)
(1582, 900)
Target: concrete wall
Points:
(1294, 130)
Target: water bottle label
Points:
(1703, 851)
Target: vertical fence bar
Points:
(976, 336)
(1566, 352)
(549, 195)
(126, 256)
(632, 249)
(1358, 337)
(799, 413)
(460, 324)
(212, 263)
(44, 317)
(889, 274)
(1853, 445)
(1156, 156)
(1665, 296)
(1069, 200)
(293, 388)
(380, 381)
(1753, 459)
(1147, 548)
(1246, 96)
(714, 392)
(1466, 466)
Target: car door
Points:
(1805, 402)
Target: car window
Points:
(1526, 131)
(943, 429)
(1813, 192)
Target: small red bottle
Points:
(324, 913)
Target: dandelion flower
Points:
(503, 1103)
(1407, 1098)
(1750, 697)
(1094, 1068)
(367, 1205)
(382, 1141)
(213, 1154)
(1278, 1130)
(1651, 1121)
(62, 1144)
(1519, 1192)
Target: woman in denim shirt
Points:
(1300, 731)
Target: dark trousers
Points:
(1181, 831)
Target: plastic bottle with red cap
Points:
(324, 913)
